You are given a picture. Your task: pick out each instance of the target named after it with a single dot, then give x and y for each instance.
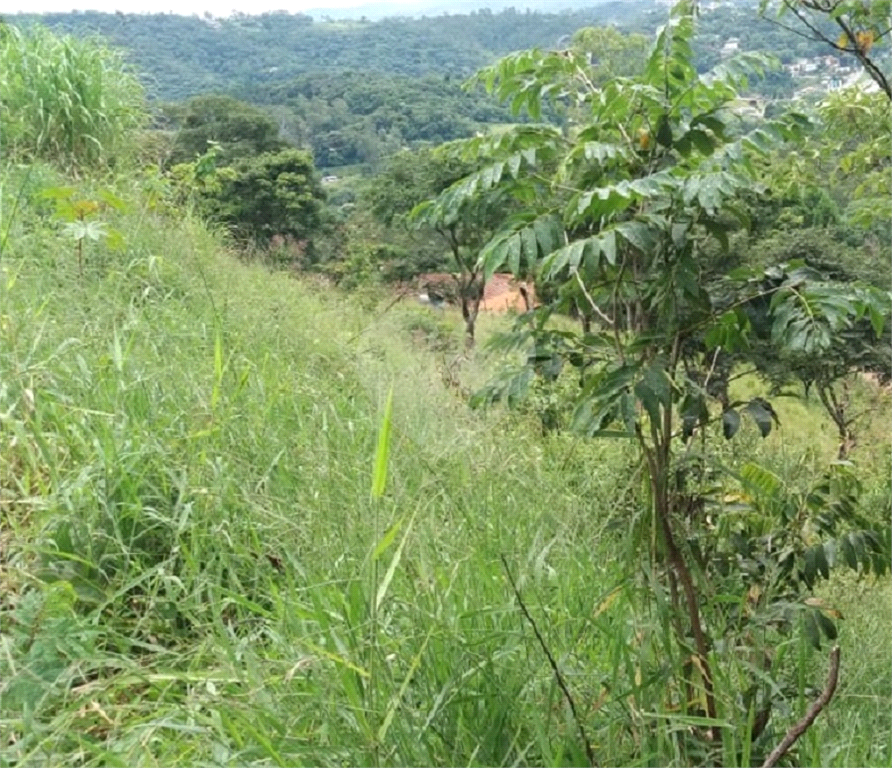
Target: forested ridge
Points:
(180, 56)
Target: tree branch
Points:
(805, 723)
(861, 54)
(606, 318)
(678, 564)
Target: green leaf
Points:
(379, 475)
(529, 246)
(730, 423)
(826, 624)
(694, 413)
(811, 630)
(664, 131)
(112, 200)
(492, 257)
(822, 562)
(702, 141)
(57, 193)
(568, 256)
(80, 230)
(607, 246)
(759, 481)
(849, 555)
(518, 103)
(513, 246)
(514, 164)
(649, 401)
(877, 320)
(816, 563)
(718, 230)
(638, 234)
(549, 233)
(762, 413)
(598, 151)
(114, 239)
(386, 539)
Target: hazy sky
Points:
(186, 7)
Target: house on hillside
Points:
(503, 293)
(731, 46)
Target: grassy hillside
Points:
(196, 572)
(192, 554)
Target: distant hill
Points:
(380, 10)
(182, 56)
(356, 90)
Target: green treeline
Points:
(353, 117)
(354, 92)
(181, 56)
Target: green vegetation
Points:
(248, 517)
(620, 215)
(271, 197)
(239, 129)
(66, 99)
(356, 92)
(352, 117)
(183, 56)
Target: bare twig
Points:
(805, 723)
(605, 317)
(400, 296)
(557, 672)
(709, 373)
(852, 46)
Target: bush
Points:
(273, 195)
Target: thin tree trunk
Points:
(469, 309)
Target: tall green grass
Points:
(64, 99)
(249, 520)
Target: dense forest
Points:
(179, 56)
(499, 389)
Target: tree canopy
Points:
(240, 129)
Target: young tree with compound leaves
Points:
(845, 159)
(626, 213)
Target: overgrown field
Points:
(196, 572)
